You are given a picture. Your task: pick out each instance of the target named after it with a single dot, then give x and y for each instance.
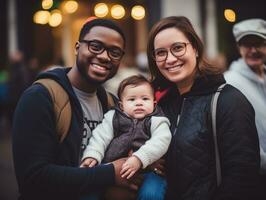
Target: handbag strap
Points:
(213, 114)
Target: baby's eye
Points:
(146, 98)
(131, 99)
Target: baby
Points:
(136, 128)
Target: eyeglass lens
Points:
(177, 49)
(98, 47)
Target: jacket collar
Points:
(203, 85)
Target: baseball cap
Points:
(250, 27)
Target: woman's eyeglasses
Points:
(96, 47)
(177, 49)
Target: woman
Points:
(188, 82)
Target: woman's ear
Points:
(77, 45)
(120, 105)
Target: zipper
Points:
(132, 134)
(179, 115)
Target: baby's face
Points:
(137, 101)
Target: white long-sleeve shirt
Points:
(151, 151)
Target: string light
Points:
(138, 12)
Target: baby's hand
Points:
(89, 162)
(130, 167)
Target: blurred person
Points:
(3, 87)
(34, 67)
(187, 84)
(18, 81)
(136, 125)
(123, 72)
(3, 98)
(248, 74)
(45, 167)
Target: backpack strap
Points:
(62, 107)
(216, 148)
(107, 99)
(110, 100)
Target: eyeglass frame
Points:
(258, 46)
(105, 48)
(184, 43)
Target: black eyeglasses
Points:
(259, 45)
(97, 47)
(177, 49)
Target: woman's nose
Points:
(170, 58)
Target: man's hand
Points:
(133, 183)
(89, 162)
(158, 167)
(130, 167)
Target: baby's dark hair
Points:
(135, 80)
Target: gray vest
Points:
(129, 134)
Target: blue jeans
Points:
(152, 188)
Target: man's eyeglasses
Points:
(177, 49)
(96, 47)
(257, 45)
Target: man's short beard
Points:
(84, 74)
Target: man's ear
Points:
(120, 105)
(77, 45)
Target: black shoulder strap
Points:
(107, 99)
(216, 148)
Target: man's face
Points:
(253, 51)
(96, 67)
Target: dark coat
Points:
(191, 172)
(45, 168)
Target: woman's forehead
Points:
(168, 36)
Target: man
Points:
(46, 168)
(248, 74)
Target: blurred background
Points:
(39, 34)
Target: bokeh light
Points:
(138, 12)
(70, 6)
(47, 4)
(55, 18)
(118, 11)
(230, 15)
(41, 17)
(101, 10)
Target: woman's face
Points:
(179, 66)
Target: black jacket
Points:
(190, 162)
(45, 168)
